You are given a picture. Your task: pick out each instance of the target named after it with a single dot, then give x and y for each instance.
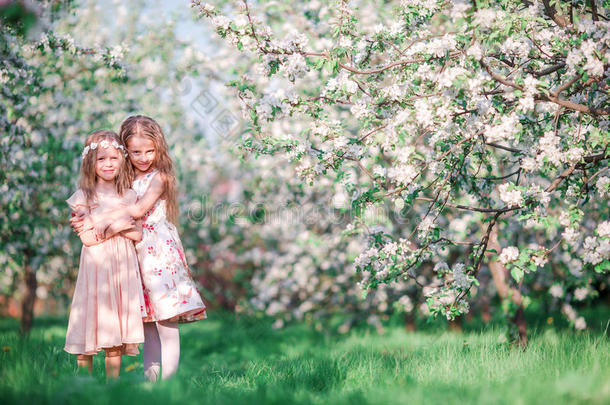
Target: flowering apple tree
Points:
(485, 123)
(61, 80)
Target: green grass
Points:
(230, 361)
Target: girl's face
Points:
(142, 153)
(107, 163)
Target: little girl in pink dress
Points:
(108, 304)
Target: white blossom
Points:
(441, 267)
(406, 302)
(426, 225)
(569, 312)
(359, 110)
(529, 164)
(220, 21)
(379, 171)
(603, 185)
(581, 293)
(403, 174)
(485, 17)
(351, 86)
(512, 198)
(570, 235)
(509, 254)
(295, 65)
(603, 229)
(459, 277)
(475, 51)
(539, 259)
(506, 130)
(556, 291)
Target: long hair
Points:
(88, 177)
(140, 125)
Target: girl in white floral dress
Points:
(170, 294)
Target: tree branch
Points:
(566, 173)
(566, 85)
(552, 12)
(499, 78)
(573, 106)
(492, 178)
(495, 145)
(547, 71)
(594, 15)
(392, 65)
(554, 98)
(462, 207)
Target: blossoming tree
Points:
(287, 251)
(483, 123)
(64, 78)
(302, 268)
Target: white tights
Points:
(161, 349)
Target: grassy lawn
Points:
(230, 361)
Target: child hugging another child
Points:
(108, 304)
(170, 294)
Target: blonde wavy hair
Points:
(88, 177)
(141, 125)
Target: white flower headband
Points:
(104, 144)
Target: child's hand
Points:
(125, 223)
(121, 224)
(100, 230)
(80, 222)
(87, 223)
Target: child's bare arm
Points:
(120, 225)
(90, 238)
(136, 210)
(124, 226)
(150, 197)
(77, 222)
(104, 219)
(80, 219)
(135, 232)
(87, 236)
(80, 209)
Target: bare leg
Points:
(113, 362)
(152, 351)
(169, 334)
(84, 362)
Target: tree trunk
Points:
(27, 308)
(499, 273)
(519, 321)
(455, 325)
(410, 325)
(485, 309)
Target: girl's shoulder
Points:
(158, 175)
(77, 200)
(156, 178)
(154, 175)
(129, 197)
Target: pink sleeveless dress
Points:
(108, 303)
(169, 290)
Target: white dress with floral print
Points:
(169, 290)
